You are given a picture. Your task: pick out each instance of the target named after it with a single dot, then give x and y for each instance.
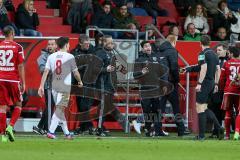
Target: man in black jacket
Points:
(151, 73)
(27, 18)
(167, 50)
(83, 51)
(107, 81)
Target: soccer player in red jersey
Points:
(12, 81)
(231, 97)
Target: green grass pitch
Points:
(118, 148)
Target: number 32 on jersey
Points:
(5, 58)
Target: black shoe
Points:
(91, 131)
(198, 138)
(148, 134)
(161, 134)
(184, 133)
(220, 133)
(38, 130)
(100, 132)
(214, 134)
(78, 131)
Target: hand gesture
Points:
(198, 88)
(80, 84)
(145, 70)
(110, 68)
(41, 91)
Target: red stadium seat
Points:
(170, 7)
(143, 21)
(163, 20)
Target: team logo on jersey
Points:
(201, 57)
(154, 58)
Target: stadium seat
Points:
(171, 9)
(163, 20)
(143, 21)
(138, 12)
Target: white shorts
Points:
(60, 98)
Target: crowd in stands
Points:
(218, 18)
(26, 17)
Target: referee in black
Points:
(209, 74)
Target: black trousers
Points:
(214, 104)
(110, 108)
(84, 105)
(43, 123)
(152, 113)
(173, 98)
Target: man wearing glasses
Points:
(82, 51)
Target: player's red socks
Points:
(237, 125)
(3, 119)
(227, 123)
(15, 115)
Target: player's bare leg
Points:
(3, 119)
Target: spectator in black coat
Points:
(221, 35)
(27, 19)
(224, 17)
(105, 19)
(4, 21)
(153, 9)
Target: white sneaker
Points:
(137, 126)
(166, 133)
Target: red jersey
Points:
(229, 72)
(11, 55)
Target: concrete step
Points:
(51, 20)
(46, 28)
